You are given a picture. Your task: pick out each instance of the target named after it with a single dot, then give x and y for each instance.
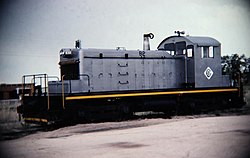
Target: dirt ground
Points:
(223, 135)
(180, 137)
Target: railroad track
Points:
(15, 130)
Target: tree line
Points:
(237, 67)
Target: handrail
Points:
(54, 77)
(46, 79)
(87, 77)
(63, 92)
(44, 82)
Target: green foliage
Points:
(236, 66)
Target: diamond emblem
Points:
(208, 73)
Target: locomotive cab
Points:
(202, 59)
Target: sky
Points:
(32, 32)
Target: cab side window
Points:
(170, 48)
(180, 48)
(207, 52)
(211, 52)
(190, 51)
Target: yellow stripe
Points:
(150, 93)
(36, 119)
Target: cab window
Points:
(180, 48)
(211, 52)
(170, 48)
(207, 52)
(190, 51)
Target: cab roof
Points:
(199, 40)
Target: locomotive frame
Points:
(183, 75)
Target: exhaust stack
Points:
(146, 44)
(78, 44)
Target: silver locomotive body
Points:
(179, 62)
(183, 74)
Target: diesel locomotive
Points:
(183, 74)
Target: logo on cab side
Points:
(208, 73)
